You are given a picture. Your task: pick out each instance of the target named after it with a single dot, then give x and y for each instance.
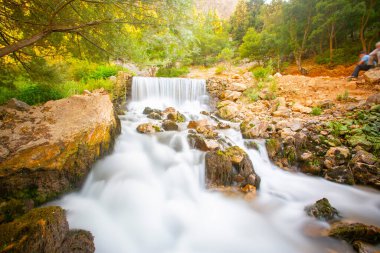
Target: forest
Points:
(53, 49)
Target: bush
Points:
(252, 94)
(343, 97)
(262, 73)
(172, 72)
(316, 111)
(220, 69)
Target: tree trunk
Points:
(332, 35)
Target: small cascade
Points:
(173, 91)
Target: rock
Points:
(17, 105)
(307, 156)
(228, 112)
(280, 101)
(322, 210)
(362, 247)
(176, 117)
(248, 188)
(373, 99)
(207, 131)
(194, 124)
(222, 125)
(336, 156)
(224, 168)
(44, 230)
(372, 76)
(147, 110)
(297, 107)
(236, 87)
(282, 111)
(251, 145)
(148, 128)
(326, 104)
(340, 174)
(52, 147)
(230, 95)
(199, 142)
(169, 110)
(4, 152)
(366, 168)
(254, 129)
(86, 92)
(154, 115)
(236, 76)
(277, 75)
(355, 232)
(169, 125)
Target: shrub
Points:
(343, 97)
(252, 94)
(262, 73)
(172, 72)
(316, 111)
(220, 69)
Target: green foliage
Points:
(252, 94)
(220, 69)
(316, 111)
(262, 73)
(172, 72)
(337, 128)
(343, 97)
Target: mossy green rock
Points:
(355, 232)
(44, 230)
(322, 210)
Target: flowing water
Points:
(148, 196)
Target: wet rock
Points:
(273, 148)
(322, 210)
(336, 156)
(176, 117)
(207, 131)
(154, 115)
(194, 124)
(362, 247)
(223, 168)
(254, 129)
(169, 125)
(44, 230)
(236, 87)
(355, 232)
(199, 142)
(148, 128)
(251, 145)
(366, 168)
(222, 125)
(147, 110)
(229, 111)
(169, 110)
(340, 174)
(297, 107)
(17, 105)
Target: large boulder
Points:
(322, 210)
(230, 95)
(198, 141)
(44, 230)
(355, 232)
(372, 76)
(365, 168)
(50, 148)
(254, 129)
(373, 99)
(233, 86)
(169, 125)
(230, 167)
(229, 111)
(336, 156)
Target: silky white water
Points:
(148, 196)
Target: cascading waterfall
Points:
(148, 195)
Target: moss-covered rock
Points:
(230, 167)
(355, 232)
(322, 210)
(51, 147)
(44, 230)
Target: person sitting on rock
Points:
(363, 64)
(374, 56)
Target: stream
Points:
(149, 195)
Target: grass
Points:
(220, 69)
(73, 78)
(343, 97)
(316, 111)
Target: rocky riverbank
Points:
(337, 139)
(47, 151)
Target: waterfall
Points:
(171, 91)
(149, 195)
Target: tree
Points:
(298, 16)
(24, 24)
(239, 21)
